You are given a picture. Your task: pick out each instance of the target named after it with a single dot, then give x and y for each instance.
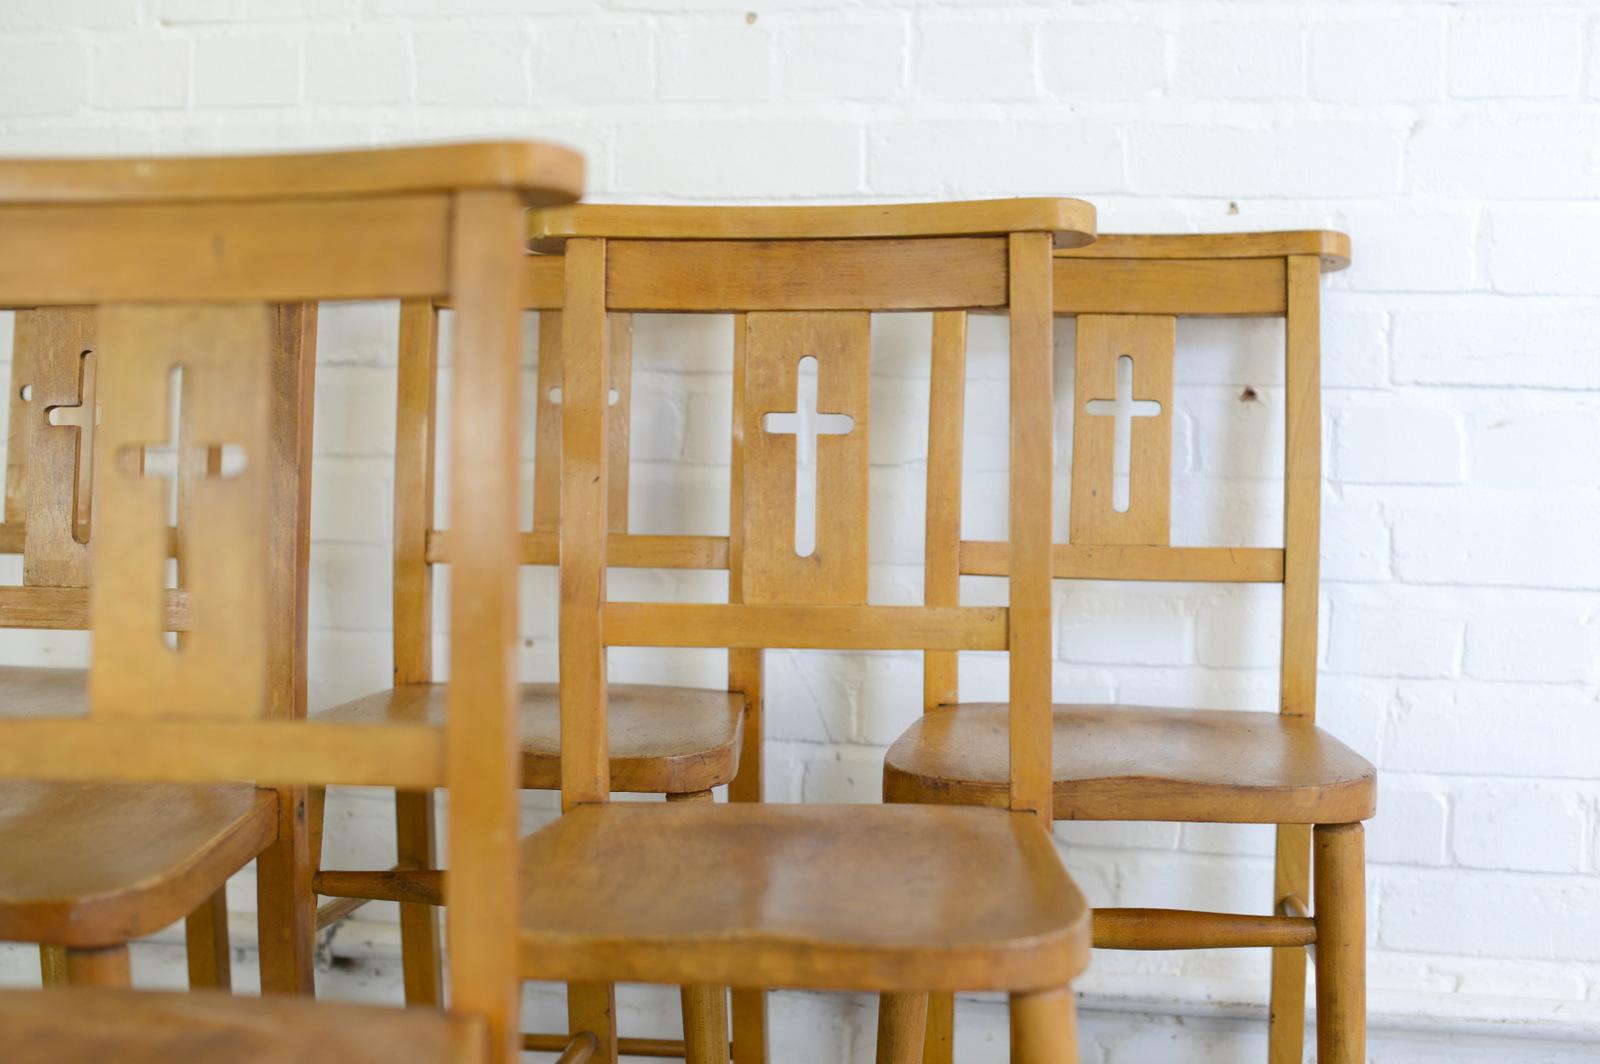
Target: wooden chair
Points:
(184, 259)
(92, 864)
(1115, 762)
(898, 900)
(676, 741)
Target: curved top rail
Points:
(1331, 246)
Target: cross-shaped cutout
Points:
(83, 415)
(554, 395)
(1124, 408)
(806, 423)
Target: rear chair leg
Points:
(902, 1022)
(1044, 1027)
(53, 965)
(705, 1008)
(99, 967)
(206, 942)
(419, 924)
(1341, 915)
(939, 1045)
(1286, 1022)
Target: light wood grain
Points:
(806, 627)
(1331, 248)
(1192, 287)
(1341, 921)
(1187, 929)
(1072, 561)
(942, 547)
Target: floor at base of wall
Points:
(358, 963)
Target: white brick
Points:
(348, 422)
(739, 159)
(246, 71)
(1517, 344)
(1355, 342)
(1524, 827)
(1132, 629)
(1355, 538)
(1344, 159)
(1503, 539)
(1241, 629)
(1536, 636)
(965, 159)
(844, 774)
(1396, 445)
(1406, 251)
(360, 67)
(478, 66)
(975, 61)
(1378, 60)
(1486, 156)
(1515, 54)
(42, 77)
(843, 61)
(1510, 916)
(1388, 639)
(69, 14)
(732, 63)
(1534, 449)
(1492, 729)
(1242, 60)
(469, 8)
(140, 72)
(350, 587)
(1102, 60)
(1410, 825)
(350, 501)
(593, 64)
(252, 10)
(1544, 250)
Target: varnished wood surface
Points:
(663, 739)
(82, 1026)
(32, 691)
(540, 173)
(1143, 763)
(92, 864)
(1071, 221)
(856, 897)
(1332, 247)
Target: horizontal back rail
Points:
(624, 550)
(1188, 287)
(1243, 565)
(67, 608)
(644, 624)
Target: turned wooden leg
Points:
(705, 1008)
(53, 965)
(939, 1042)
(902, 1020)
(1286, 1018)
(286, 906)
(205, 935)
(419, 924)
(1044, 1027)
(99, 967)
(1341, 916)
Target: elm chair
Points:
(1114, 762)
(97, 862)
(676, 741)
(899, 900)
(185, 259)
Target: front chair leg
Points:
(939, 1044)
(99, 967)
(419, 924)
(205, 936)
(902, 1025)
(1341, 916)
(705, 1008)
(1044, 1027)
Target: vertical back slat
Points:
(619, 347)
(1302, 486)
(18, 427)
(486, 258)
(941, 579)
(55, 340)
(1032, 352)
(547, 421)
(414, 449)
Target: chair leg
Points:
(1341, 915)
(1286, 1022)
(749, 1011)
(286, 906)
(419, 924)
(99, 967)
(939, 1044)
(902, 1024)
(53, 965)
(206, 941)
(705, 1008)
(1044, 1027)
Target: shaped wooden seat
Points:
(28, 690)
(91, 1026)
(187, 264)
(664, 740)
(826, 896)
(1118, 762)
(1141, 763)
(97, 864)
(848, 898)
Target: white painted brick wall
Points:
(1457, 140)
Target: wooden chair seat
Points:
(29, 691)
(664, 740)
(847, 897)
(1143, 763)
(95, 864)
(89, 1026)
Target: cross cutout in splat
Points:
(169, 457)
(1123, 408)
(806, 423)
(83, 416)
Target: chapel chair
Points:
(1115, 762)
(900, 900)
(88, 865)
(676, 741)
(184, 259)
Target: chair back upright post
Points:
(185, 258)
